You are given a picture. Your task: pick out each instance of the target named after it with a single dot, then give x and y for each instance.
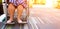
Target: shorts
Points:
(18, 2)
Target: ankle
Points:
(11, 19)
(18, 19)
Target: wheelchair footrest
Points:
(23, 22)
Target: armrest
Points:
(2, 17)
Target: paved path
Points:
(45, 18)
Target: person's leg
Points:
(11, 10)
(19, 12)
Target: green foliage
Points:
(0, 1)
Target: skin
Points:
(11, 10)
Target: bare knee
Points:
(20, 7)
(11, 6)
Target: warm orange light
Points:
(48, 3)
(58, 4)
(31, 2)
(39, 1)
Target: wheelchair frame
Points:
(4, 3)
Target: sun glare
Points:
(46, 3)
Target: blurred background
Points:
(45, 3)
(43, 14)
(39, 3)
(1, 7)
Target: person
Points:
(13, 5)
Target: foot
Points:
(9, 21)
(19, 21)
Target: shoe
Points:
(19, 21)
(9, 21)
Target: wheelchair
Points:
(24, 16)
